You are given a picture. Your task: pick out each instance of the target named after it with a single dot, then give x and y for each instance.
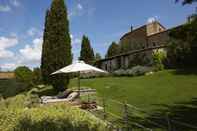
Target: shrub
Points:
(36, 76)
(23, 113)
(57, 117)
(120, 72)
(24, 74)
(158, 57)
(135, 71)
(139, 70)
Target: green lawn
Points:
(164, 87)
(157, 94)
(164, 92)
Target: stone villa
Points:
(138, 46)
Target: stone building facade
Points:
(137, 47)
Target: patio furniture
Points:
(70, 98)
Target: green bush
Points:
(135, 71)
(36, 76)
(158, 57)
(24, 113)
(58, 117)
(23, 74)
(27, 76)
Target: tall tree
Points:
(87, 52)
(186, 1)
(183, 45)
(56, 52)
(113, 50)
(98, 57)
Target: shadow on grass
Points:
(190, 71)
(177, 117)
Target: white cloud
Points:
(34, 32)
(31, 54)
(8, 7)
(9, 66)
(78, 10)
(5, 8)
(5, 44)
(152, 19)
(79, 6)
(5, 54)
(75, 40)
(15, 3)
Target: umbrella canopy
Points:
(81, 67)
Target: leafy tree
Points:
(23, 74)
(113, 50)
(98, 57)
(87, 52)
(158, 57)
(186, 1)
(36, 76)
(183, 45)
(56, 52)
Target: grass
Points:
(164, 87)
(168, 91)
(22, 111)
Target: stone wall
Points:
(137, 47)
(154, 28)
(129, 60)
(159, 39)
(134, 40)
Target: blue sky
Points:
(103, 21)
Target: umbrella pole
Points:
(79, 83)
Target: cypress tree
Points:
(113, 50)
(87, 52)
(98, 57)
(56, 52)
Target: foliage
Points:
(135, 71)
(187, 1)
(146, 92)
(158, 58)
(11, 87)
(87, 52)
(16, 115)
(23, 74)
(183, 45)
(113, 50)
(98, 57)
(56, 52)
(37, 78)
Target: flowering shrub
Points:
(135, 71)
(16, 114)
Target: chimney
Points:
(131, 28)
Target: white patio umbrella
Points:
(79, 67)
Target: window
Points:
(147, 45)
(154, 44)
